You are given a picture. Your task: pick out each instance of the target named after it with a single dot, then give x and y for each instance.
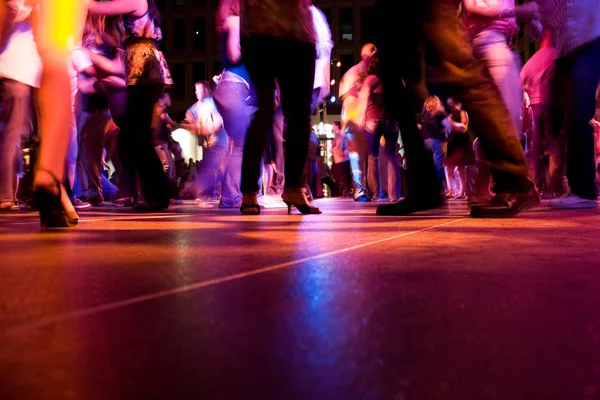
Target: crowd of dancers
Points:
(103, 95)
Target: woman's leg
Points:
(256, 50)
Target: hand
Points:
(533, 30)
(461, 128)
(527, 12)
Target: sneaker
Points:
(572, 201)
(361, 197)
(271, 201)
(79, 205)
(8, 206)
(230, 204)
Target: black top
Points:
(433, 127)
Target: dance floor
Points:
(208, 304)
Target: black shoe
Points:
(96, 201)
(52, 213)
(410, 205)
(505, 205)
(298, 199)
(473, 199)
(250, 209)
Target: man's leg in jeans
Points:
(16, 99)
(436, 147)
(207, 174)
(455, 66)
(491, 47)
(582, 73)
(392, 165)
(373, 132)
(92, 135)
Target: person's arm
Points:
(86, 84)
(451, 125)
(323, 40)
(167, 118)
(464, 119)
(234, 49)
(8, 13)
(117, 7)
(483, 8)
(114, 81)
(108, 66)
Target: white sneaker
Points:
(570, 201)
(271, 201)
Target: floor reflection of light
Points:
(329, 322)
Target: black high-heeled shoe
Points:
(250, 209)
(299, 200)
(52, 213)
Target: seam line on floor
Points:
(85, 312)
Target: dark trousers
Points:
(136, 146)
(436, 50)
(292, 64)
(342, 175)
(576, 80)
(537, 155)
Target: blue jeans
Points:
(207, 172)
(492, 47)
(438, 148)
(375, 129)
(576, 79)
(230, 98)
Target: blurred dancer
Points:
(576, 24)
(324, 44)
(147, 74)
(278, 43)
(20, 69)
(492, 25)
(352, 120)
(233, 97)
(432, 28)
(59, 26)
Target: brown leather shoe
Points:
(505, 205)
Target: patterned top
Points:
(286, 19)
(144, 63)
(574, 22)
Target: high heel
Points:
(250, 204)
(52, 212)
(299, 200)
(250, 209)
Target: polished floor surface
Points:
(208, 304)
